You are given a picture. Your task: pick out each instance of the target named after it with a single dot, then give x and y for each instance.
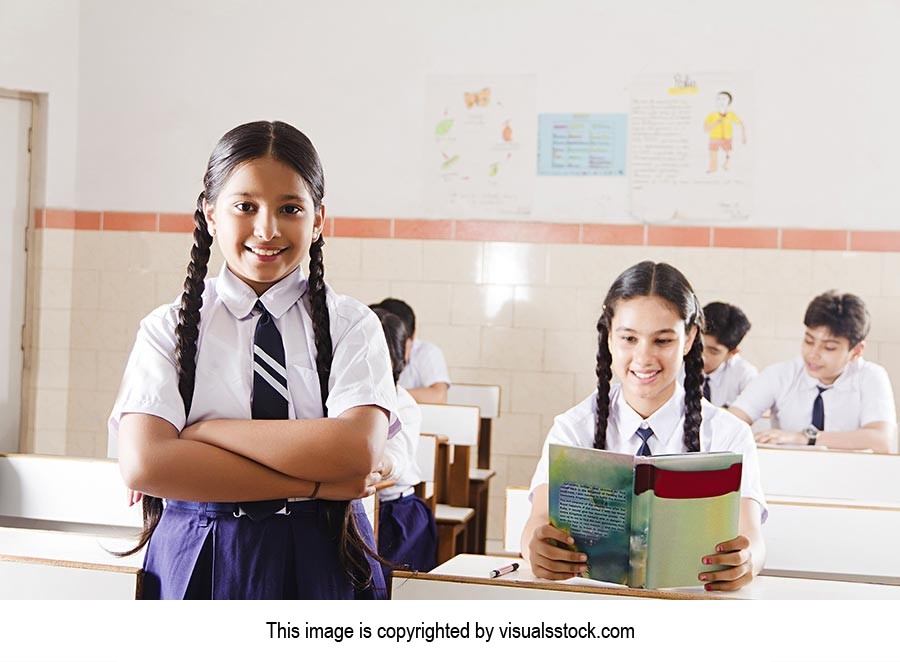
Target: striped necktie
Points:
(270, 395)
(706, 389)
(644, 434)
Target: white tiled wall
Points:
(519, 315)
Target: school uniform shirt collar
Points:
(664, 421)
(239, 298)
(719, 373)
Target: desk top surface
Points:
(475, 570)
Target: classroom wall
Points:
(139, 94)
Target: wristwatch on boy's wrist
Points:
(811, 434)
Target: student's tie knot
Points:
(644, 432)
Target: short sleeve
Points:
(401, 449)
(432, 367)
(361, 371)
(565, 431)
(876, 396)
(732, 434)
(150, 382)
(760, 394)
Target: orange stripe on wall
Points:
(516, 231)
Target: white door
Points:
(15, 127)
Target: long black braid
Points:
(664, 281)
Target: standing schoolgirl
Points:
(263, 508)
(407, 532)
(650, 327)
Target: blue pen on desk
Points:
(505, 570)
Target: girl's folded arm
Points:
(153, 460)
(319, 449)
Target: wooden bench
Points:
(58, 518)
(457, 520)
(487, 399)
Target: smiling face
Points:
(264, 220)
(825, 355)
(647, 341)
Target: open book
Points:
(645, 521)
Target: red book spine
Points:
(670, 484)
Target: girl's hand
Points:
(134, 497)
(551, 562)
(781, 438)
(735, 554)
(347, 490)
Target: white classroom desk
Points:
(466, 577)
(36, 564)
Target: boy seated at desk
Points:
(725, 372)
(829, 395)
(425, 376)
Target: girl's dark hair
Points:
(666, 282)
(245, 143)
(396, 333)
(402, 310)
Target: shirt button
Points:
(644, 425)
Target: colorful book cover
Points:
(645, 521)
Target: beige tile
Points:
(115, 330)
(54, 289)
(85, 289)
(430, 301)
(343, 258)
(169, 286)
(499, 463)
(542, 392)
(521, 469)
(890, 274)
(515, 264)
(122, 291)
(216, 261)
(55, 248)
(713, 268)
(495, 518)
(110, 368)
(104, 251)
(545, 308)
(53, 329)
(82, 370)
(778, 271)
(511, 348)
(101, 444)
(489, 305)
(88, 410)
(588, 307)
(80, 444)
(517, 434)
(501, 378)
(452, 261)
(52, 369)
(585, 384)
(365, 291)
(758, 309)
(885, 318)
(50, 409)
(49, 441)
(161, 251)
(578, 266)
(859, 273)
(392, 259)
(889, 357)
(570, 351)
(788, 311)
(461, 344)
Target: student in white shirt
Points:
(829, 395)
(263, 507)
(725, 372)
(425, 376)
(407, 531)
(649, 329)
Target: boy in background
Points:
(726, 373)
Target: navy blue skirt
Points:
(407, 534)
(208, 553)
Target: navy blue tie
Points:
(706, 389)
(644, 434)
(818, 415)
(270, 395)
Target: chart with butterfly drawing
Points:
(480, 146)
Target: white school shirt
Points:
(861, 395)
(728, 380)
(719, 431)
(360, 371)
(401, 449)
(426, 366)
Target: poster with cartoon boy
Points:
(720, 127)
